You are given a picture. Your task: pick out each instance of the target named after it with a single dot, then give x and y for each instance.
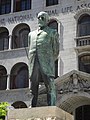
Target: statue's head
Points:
(43, 19)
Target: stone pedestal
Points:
(39, 113)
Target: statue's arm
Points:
(55, 44)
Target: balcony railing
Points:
(82, 41)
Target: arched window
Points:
(84, 25)
(23, 37)
(20, 36)
(54, 25)
(19, 104)
(19, 76)
(84, 63)
(3, 78)
(4, 38)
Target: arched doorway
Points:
(82, 113)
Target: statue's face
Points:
(42, 19)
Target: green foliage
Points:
(3, 109)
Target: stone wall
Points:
(39, 113)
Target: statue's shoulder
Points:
(32, 32)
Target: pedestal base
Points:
(39, 113)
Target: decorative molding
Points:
(45, 118)
(74, 84)
(82, 11)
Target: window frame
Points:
(18, 5)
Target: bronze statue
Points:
(43, 51)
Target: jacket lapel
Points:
(39, 31)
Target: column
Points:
(10, 40)
(29, 83)
(12, 4)
(8, 82)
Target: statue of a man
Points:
(43, 51)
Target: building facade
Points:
(71, 18)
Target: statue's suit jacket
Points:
(45, 42)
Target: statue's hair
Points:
(45, 14)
